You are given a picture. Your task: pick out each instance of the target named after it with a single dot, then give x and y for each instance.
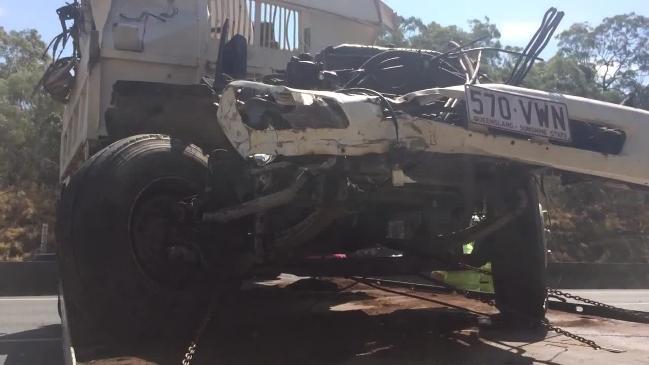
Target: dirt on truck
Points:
(209, 142)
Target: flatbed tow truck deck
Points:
(335, 321)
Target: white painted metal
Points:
(182, 49)
(69, 356)
(370, 133)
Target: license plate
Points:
(518, 113)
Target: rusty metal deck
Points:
(279, 323)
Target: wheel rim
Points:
(161, 244)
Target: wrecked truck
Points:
(206, 142)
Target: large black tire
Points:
(518, 256)
(109, 292)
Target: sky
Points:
(516, 20)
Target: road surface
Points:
(30, 331)
(338, 333)
(629, 299)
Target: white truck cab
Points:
(176, 42)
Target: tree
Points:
(617, 49)
(30, 126)
(29, 121)
(639, 97)
(566, 75)
(414, 33)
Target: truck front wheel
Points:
(518, 254)
(128, 265)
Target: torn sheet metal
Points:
(370, 132)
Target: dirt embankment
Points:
(595, 222)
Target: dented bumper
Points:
(305, 122)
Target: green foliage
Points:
(20, 51)
(566, 75)
(30, 121)
(23, 210)
(30, 124)
(640, 96)
(617, 49)
(413, 33)
(597, 222)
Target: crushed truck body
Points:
(610, 136)
(209, 142)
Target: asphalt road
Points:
(629, 299)
(30, 331)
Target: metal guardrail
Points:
(598, 276)
(28, 278)
(41, 277)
